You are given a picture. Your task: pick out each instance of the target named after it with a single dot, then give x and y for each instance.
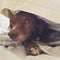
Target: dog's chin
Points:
(18, 39)
(22, 38)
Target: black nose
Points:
(12, 35)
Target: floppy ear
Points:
(41, 25)
(7, 12)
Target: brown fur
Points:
(26, 28)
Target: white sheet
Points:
(4, 24)
(18, 53)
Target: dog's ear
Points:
(10, 13)
(7, 12)
(41, 25)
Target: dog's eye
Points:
(27, 21)
(13, 22)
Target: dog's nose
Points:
(12, 35)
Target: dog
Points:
(27, 27)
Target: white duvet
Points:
(49, 9)
(18, 52)
(4, 24)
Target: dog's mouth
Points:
(19, 38)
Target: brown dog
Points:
(26, 28)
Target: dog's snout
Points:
(12, 35)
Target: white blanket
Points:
(49, 9)
(18, 52)
(4, 24)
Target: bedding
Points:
(51, 52)
(49, 9)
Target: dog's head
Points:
(23, 24)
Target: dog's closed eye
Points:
(12, 22)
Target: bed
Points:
(18, 52)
